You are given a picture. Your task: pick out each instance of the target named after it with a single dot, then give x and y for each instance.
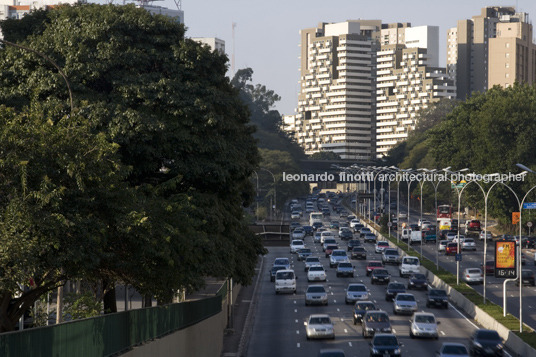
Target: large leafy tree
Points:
(180, 132)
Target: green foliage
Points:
(81, 306)
(324, 155)
(145, 182)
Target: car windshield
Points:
(396, 286)
(391, 252)
(487, 335)
(319, 320)
(339, 253)
(454, 350)
(357, 288)
(316, 289)
(316, 268)
(329, 241)
(383, 244)
(473, 271)
(281, 262)
(469, 240)
(380, 272)
(297, 242)
(298, 230)
(377, 318)
(403, 297)
(345, 265)
(312, 260)
(526, 273)
(418, 277)
(276, 269)
(385, 341)
(438, 293)
(284, 275)
(305, 250)
(365, 306)
(331, 247)
(411, 261)
(359, 249)
(426, 319)
(375, 264)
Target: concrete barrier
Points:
(513, 342)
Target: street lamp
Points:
(273, 208)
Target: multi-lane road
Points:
(278, 328)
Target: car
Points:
(356, 292)
(486, 343)
(358, 253)
(303, 253)
(317, 225)
(390, 255)
(423, 324)
(345, 269)
(417, 281)
(328, 241)
(473, 226)
(380, 275)
(380, 246)
(375, 321)
(442, 245)
(363, 231)
(403, 215)
(490, 267)
(451, 236)
(285, 281)
(274, 270)
(284, 262)
(438, 298)
(462, 239)
(414, 227)
(443, 233)
(316, 294)
(527, 277)
(429, 236)
(385, 344)
(523, 259)
(308, 230)
(452, 349)
(346, 234)
(331, 352)
(468, 244)
(393, 289)
(329, 249)
(371, 265)
(296, 244)
(452, 248)
(326, 212)
(298, 233)
(316, 237)
(353, 243)
(369, 237)
(404, 303)
(343, 213)
(354, 222)
(319, 326)
(326, 235)
(294, 225)
(358, 227)
(334, 224)
(360, 308)
(310, 261)
(316, 273)
(337, 256)
(485, 234)
(351, 217)
(423, 222)
(409, 265)
(473, 275)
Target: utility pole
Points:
(233, 55)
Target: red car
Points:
(490, 267)
(329, 249)
(452, 248)
(373, 264)
(473, 225)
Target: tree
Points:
(324, 155)
(169, 209)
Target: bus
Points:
(315, 217)
(444, 211)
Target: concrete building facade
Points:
(336, 103)
(213, 42)
(475, 47)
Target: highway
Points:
(278, 328)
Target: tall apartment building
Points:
(408, 80)
(214, 43)
(492, 48)
(336, 103)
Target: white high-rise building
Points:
(336, 102)
(213, 42)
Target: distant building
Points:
(16, 9)
(336, 101)
(493, 48)
(213, 42)
(159, 10)
(408, 79)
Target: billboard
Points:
(505, 259)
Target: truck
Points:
(315, 217)
(415, 237)
(444, 223)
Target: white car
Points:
(356, 292)
(328, 241)
(485, 234)
(316, 273)
(451, 236)
(468, 244)
(319, 326)
(310, 261)
(424, 221)
(462, 239)
(295, 215)
(473, 275)
(381, 245)
(353, 222)
(443, 245)
(298, 233)
(296, 244)
(326, 234)
(338, 256)
(423, 324)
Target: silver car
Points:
(473, 276)
(316, 273)
(310, 261)
(404, 303)
(423, 324)
(451, 349)
(338, 256)
(356, 292)
(316, 294)
(319, 326)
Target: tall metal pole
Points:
(437, 226)
(422, 184)
(398, 211)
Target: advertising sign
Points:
(505, 259)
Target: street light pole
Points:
(273, 207)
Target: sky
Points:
(267, 32)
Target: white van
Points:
(285, 281)
(415, 238)
(406, 233)
(409, 265)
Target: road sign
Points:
(515, 217)
(505, 259)
(459, 257)
(389, 224)
(529, 205)
(529, 224)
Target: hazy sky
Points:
(267, 32)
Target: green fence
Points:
(108, 334)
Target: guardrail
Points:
(272, 234)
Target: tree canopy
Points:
(145, 182)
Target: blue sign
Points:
(529, 205)
(458, 257)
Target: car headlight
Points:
(478, 345)
(369, 329)
(397, 351)
(375, 351)
(500, 346)
(386, 329)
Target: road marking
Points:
(338, 310)
(296, 320)
(295, 310)
(350, 344)
(442, 333)
(332, 293)
(297, 332)
(345, 331)
(375, 301)
(335, 301)
(394, 331)
(294, 301)
(298, 345)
